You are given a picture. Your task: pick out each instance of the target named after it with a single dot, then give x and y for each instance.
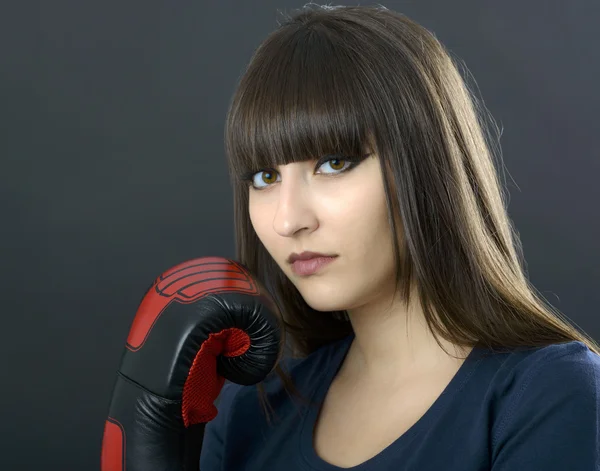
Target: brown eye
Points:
(267, 176)
(338, 165)
(335, 164)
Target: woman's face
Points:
(321, 207)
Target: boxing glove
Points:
(200, 323)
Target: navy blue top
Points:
(521, 410)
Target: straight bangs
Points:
(300, 99)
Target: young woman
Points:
(417, 342)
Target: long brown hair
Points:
(339, 80)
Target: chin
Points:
(324, 300)
(325, 306)
(318, 292)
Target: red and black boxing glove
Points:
(201, 322)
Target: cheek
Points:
(258, 219)
(370, 245)
(363, 213)
(261, 218)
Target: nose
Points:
(294, 208)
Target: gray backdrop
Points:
(113, 170)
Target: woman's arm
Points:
(214, 444)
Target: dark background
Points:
(113, 170)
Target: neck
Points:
(393, 342)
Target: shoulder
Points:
(554, 382)
(531, 367)
(564, 366)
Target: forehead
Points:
(299, 100)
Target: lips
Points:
(311, 266)
(307, 255)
